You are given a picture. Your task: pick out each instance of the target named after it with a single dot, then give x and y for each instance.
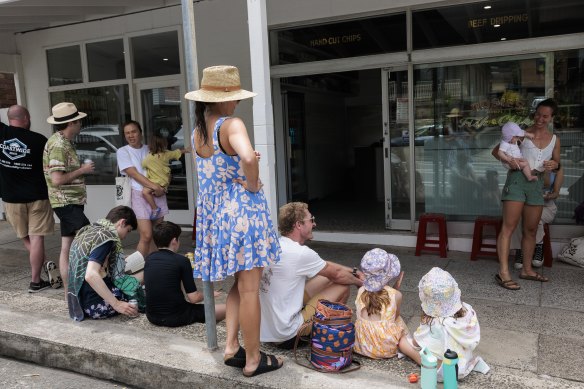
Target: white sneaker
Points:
(53, 274)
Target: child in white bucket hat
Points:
(379, 327)
(509, 151)
(447, 323)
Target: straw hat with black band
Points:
(64, 113)
(219, 84)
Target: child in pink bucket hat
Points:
(379, 328)
(447, 323)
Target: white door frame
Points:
(390, 222)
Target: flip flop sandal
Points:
(507, 284)
(536, 277)
(237, 359)
(264, 367)
(53, 274)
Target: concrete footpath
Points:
(532, 338)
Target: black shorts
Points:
(193, 313)
(72, 219)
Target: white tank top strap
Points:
(536, 156)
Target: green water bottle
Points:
(450, 369)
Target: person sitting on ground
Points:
(509, 151)
(166, 273)
(379, 328)
(446, 323)
(288, 300)
(155, 165)
(98, 287)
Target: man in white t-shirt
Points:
(290, 289)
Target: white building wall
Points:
(222, 38)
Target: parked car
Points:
(422, 134)
(100, 147)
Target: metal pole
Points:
(188, 21)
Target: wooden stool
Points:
(548, 256)
(423, 241)
(478, 246)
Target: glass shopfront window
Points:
(64, 66)
(155, 54)
(492, 21)
(105, 60)
(100, 137)
(466, 108)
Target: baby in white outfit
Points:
(509, 151)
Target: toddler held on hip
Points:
(509, 151)
(157, 170)
(379, 328)
(446, 323)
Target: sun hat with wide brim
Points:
(219, 84)
(439, 294)
(64, 113)
(379, 268)
(454, 113)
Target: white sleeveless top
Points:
(535, 156)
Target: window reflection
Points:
(100, 135)
(161, 110)
(469, 105)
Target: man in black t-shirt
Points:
(24, 193)
(164, 273)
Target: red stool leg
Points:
(547, 247)
(477, 238)
(443, 237)
(421, 241)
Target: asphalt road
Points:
(16, 375)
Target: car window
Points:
(90, 142)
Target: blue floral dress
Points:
(234, 231)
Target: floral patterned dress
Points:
(379, 338)
(234, 231)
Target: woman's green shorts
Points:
(518, 188)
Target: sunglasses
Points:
(312, 219)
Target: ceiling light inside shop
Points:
(487, 7)
(165, 59)
(497, 25)
(503, 39)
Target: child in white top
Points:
(379, 328)
(509, 151)
(447, 323)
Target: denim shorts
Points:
(518, 188)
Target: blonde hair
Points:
(374, 302)
(289, 214)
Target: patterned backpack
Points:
(331, 340)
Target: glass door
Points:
(397, 139)
(161, 113)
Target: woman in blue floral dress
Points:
(234, 231)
